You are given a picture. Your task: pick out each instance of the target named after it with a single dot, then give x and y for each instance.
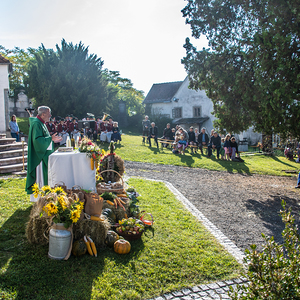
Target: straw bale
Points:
(37, 230)
(97, 230)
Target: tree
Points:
(19, 59)
(126, 92)
(251, 71)
(69, 80)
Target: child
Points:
(116, 136)
(227, 147)
(182, 143)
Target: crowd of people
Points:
(180, 139)
(104, 129)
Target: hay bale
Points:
(37, 230)
(97, 230)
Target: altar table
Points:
(72, 168)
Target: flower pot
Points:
(60, 240)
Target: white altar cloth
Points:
(72, 168)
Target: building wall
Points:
(4, 87)
(187, 100)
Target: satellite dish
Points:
(175, 99)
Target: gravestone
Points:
(122, 116)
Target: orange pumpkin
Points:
(122, 246)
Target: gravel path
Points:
(241, 206)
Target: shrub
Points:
(273, 273)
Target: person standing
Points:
(153, 133)
(146, 127)
(40, 146)
(14, 128)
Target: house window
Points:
(197, 111)
(176, 112)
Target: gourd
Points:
(79, 248)
(122, 246)
(111, 238)
(107, 212)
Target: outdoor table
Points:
(72, 168)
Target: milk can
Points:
(59, 241)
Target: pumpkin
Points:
(79, 248)
(110, 215)
(122, 246)
(111, 238)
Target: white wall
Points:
(187, 100)
(4, 84)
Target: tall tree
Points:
(126, 92)
(69, 80)
(19, 59)
(251, 71)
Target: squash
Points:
(79, 248)
(111, 238)
(122, 246)
(110, 215)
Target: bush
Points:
(273, 273)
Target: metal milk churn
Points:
(59, 241)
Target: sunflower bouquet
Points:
(58, 206)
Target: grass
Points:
(23, 125)
(177, 253)
(132, 149)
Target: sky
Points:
(141, 39)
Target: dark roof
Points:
(162, 92)
(190, 120)
(4, 60)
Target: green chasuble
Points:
(39, 140)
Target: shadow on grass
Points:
(232, 166)
(280, 161)
(30, 274)
(269, 212)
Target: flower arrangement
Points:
(91, 150)
(58, 206)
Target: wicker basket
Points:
(130, 237)
(108, 187)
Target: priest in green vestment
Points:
(40, 146)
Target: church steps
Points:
(4, 141)
(12, 160)
(13, 153)
(12, 168)
(12, 146)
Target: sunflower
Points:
(51, 209)
(46, 189)
(79, 206)
(75, 215)
(59, 190)
(35, 189)
(62, 202)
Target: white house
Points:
(5, 70)
(187, 107)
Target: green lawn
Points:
(132, 149)
(177, 253)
